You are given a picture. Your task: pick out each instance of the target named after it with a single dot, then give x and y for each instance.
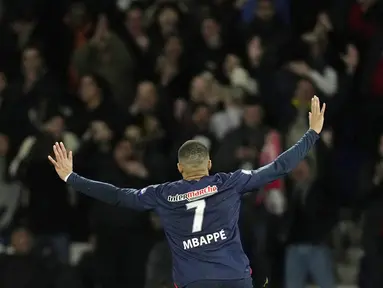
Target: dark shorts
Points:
(242, 283)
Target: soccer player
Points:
(200, 212)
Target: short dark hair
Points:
(193, 153)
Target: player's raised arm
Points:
(143, 199)
(288, 160)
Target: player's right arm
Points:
(250, 180)
(139, 199)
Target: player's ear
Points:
(180, 168)
(209, 165)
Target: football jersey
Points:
(200, 217)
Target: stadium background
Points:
(123, 83)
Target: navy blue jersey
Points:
(200, 217)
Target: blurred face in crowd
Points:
(252, 115)
(304, 92)
(254, 49)
(265, 10)
(88, 89)
(302, 172)
(76, 16)
(21, 26)
(133, 21)
(146, 96)
(4, 145)
(133, 133)
(3, 82)
(123, 151)
(21, 241)
(168, 20)
(32, 59)
(366, 3)
(173, 47)
(198, 90)
(55, 126)
(201, 116)
(210, 31)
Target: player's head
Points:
(193, 159)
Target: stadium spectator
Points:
(105, 54)
(240, 148)
(22, 262)
(48, 214)
(311, 214)
(370, 199)
(159, 263)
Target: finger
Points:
(60, 151)
(53, 161)
(316, 105)
(313, 106)
(65, 154)
(323, 108)
(70, 156)
(57, 153)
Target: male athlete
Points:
(200, 212)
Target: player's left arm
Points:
(287, 161)
(138, 199)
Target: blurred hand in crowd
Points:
(324, 21)
(136, 168)
(246, 153)
(54, 127)
(3, 82)
(124, 156)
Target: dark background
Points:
(124, 84)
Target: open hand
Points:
(316, 116)
(64, 160)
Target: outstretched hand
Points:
(64, 160)
(316, 116)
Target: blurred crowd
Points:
(123, 83)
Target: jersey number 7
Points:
(199, 207)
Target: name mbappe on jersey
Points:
(204, 239)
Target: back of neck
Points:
(195, 176)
